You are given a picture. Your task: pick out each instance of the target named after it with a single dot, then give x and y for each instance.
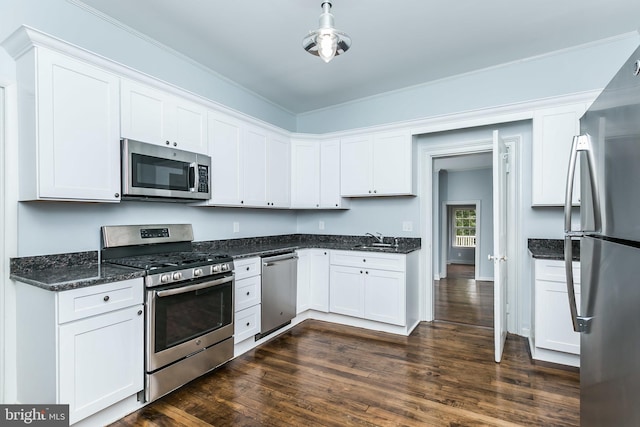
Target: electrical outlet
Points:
(236, 227)
(321, 225)
(407, 226)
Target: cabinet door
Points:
(101, 361)
(346, 294)
(553, 327)
(356, 166)
(225, 136)
(188, 125)
(392, 163)
(384, 296)
(278, 172)
(319, 280)
(304, 280)
(330, 175)
(553, 132)
(144, 112)
(78, 131)
(254, 167)
(305, 174)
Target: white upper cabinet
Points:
(305, 174)
(330, 197)
(278, 171)
(157, 117)
(225, 135)
(69, 129)
(378, 164)
(254, 167)
(315, 174)
(553, 132)
(250, 166)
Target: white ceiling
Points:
(396, 43)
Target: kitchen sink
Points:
(377, 247)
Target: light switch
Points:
(407, 226)
(321, 225)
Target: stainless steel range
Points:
(189, 301)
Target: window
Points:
(464, 228)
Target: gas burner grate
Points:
(175, 260)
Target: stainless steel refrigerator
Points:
(608, 316)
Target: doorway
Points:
(468, 142)
(463, 283)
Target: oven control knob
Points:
(216, 268)
(197, 272)
(177, 276)
(165, 278)
(225, 267)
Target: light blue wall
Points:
(464, 186)
(76, 25)
(583, 69)
(366, 215)
(49, 227)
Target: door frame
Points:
(430, 233)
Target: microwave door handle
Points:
(193, 177)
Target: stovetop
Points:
(156, 263)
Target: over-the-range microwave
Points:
(155, 172)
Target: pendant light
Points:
(326, 42)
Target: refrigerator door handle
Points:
(580, 323)
(582, 143)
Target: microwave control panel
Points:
(203, 179)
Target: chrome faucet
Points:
(379, 237)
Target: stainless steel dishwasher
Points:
(279, 283)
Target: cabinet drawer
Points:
(380, 261)
(247, 267)
(554, 271)
(247, 292)
(84, 302)
(247, 323)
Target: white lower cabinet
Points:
(555, 339)
(368, 285)
(248, 298)
(313, 280)
(346, 294)
(84, 348)
(101, 361)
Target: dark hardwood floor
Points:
(324, 374)
(461, 299)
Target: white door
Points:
(500, 161)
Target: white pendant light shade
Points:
(326, 42)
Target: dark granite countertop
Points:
(263, 246)
(61, 272)
(552, 249)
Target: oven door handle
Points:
(185, 289)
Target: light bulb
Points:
(327, 46)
